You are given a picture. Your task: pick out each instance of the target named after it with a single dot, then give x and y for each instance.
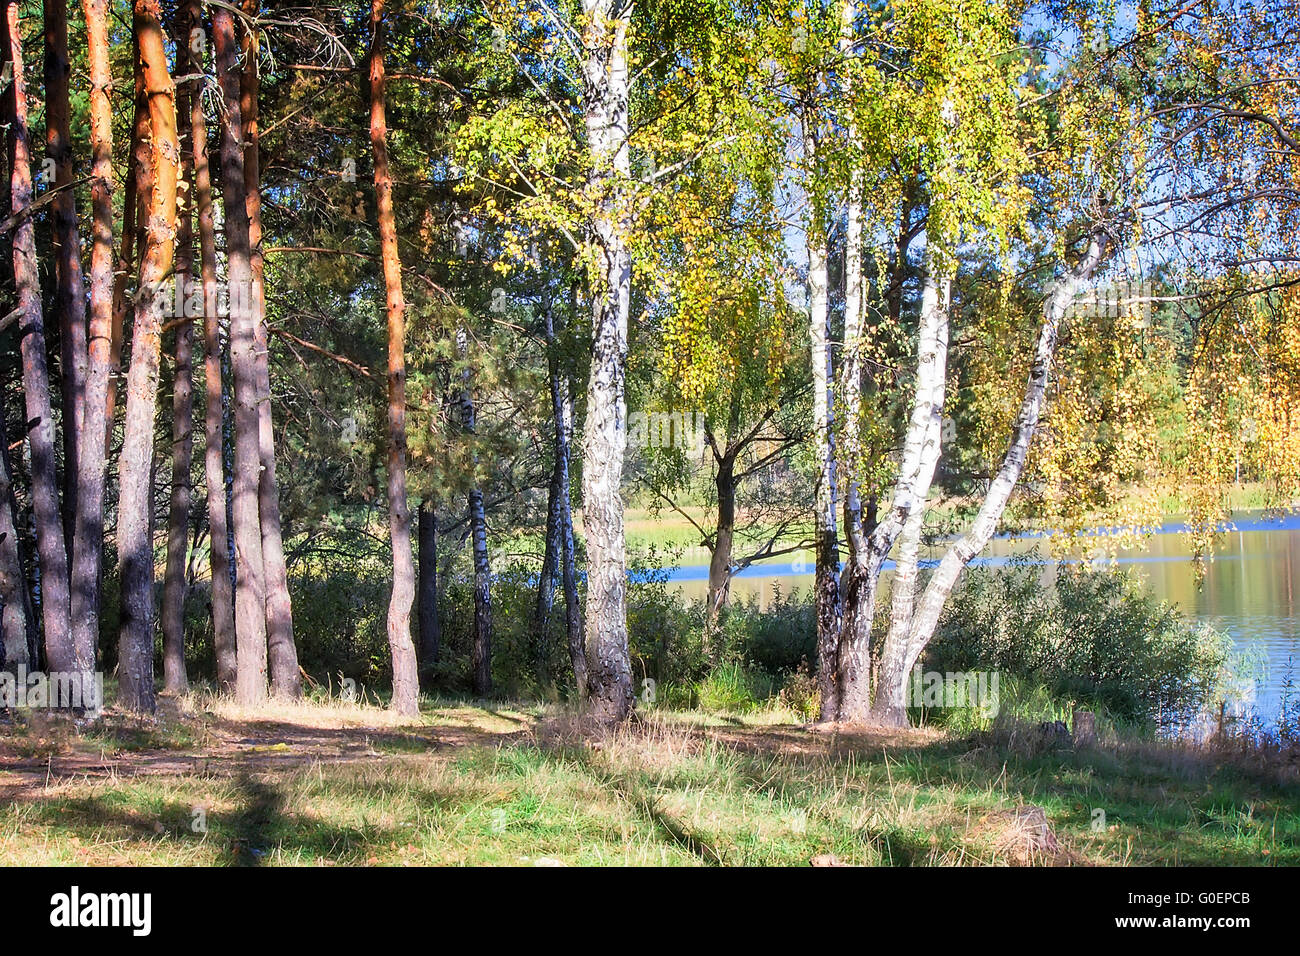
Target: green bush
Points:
(777, 640)
(340, 622)
(1096, 637)
(665, 635)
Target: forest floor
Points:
(346, 784)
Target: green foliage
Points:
(1095, 638)
(735, 689)
(665, 636)
(340, 621)
(777, 640)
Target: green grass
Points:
(679, 789)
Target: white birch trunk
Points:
(605, 109)
(921, 448)
(826, 586)
(890, 700)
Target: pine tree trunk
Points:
(406, 684)
(250, 583)
(69, 305)
(481, 653)
(283, 653)
(50, 546)
(605, 114)
(16, 624)
(138, 187)
(135, 511)
(430, 624)
(175, 679)
(88, 540)
(223, 597)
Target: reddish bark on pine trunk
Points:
(135, 469)
(223, 595)
(405, 672)
(69, 304)
(175, 679)
(138, 185)
(88, 541)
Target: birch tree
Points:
(908, 92)
(605, 110)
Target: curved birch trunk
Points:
(916, 469)
(890, 704)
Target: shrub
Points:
(665, 635)
(777, 640)
(1096, 637)
(800, 692)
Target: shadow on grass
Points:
(249, 836)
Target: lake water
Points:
(1249, 590)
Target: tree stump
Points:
(1085, 728)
